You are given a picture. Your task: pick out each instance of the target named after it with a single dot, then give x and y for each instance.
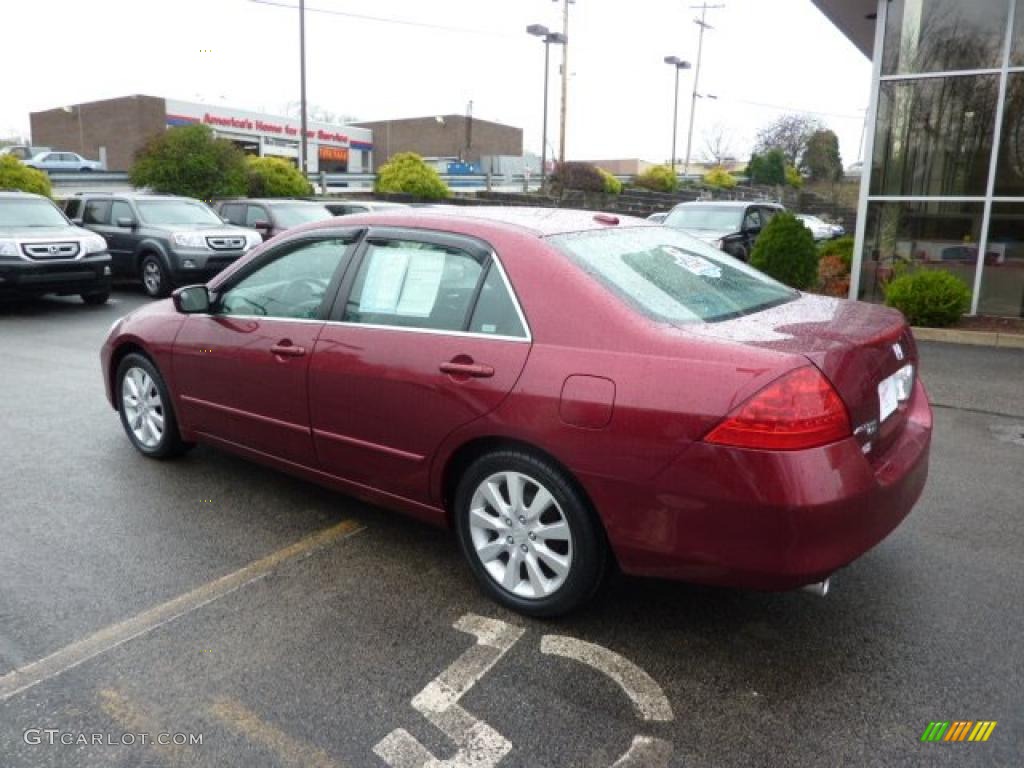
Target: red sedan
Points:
(563, 388)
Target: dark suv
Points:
(272, 217)
(730, 226)
(42, 252)
(163, 240)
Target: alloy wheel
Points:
(152, 278)
(143, 407)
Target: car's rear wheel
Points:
(97, 298)
(147, 414)
(154, 277)
(529, 535)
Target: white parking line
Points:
(635, 683)
(480, 745)
(111, 637)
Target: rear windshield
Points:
(723, 218)
(177, 213)
(30, 213)
(293, 215)
(670, 276)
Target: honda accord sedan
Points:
(569, 391)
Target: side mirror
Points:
(78, 221)
(192, 300)
(261, 226)
(126, 222)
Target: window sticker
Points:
(693, 263)
(402, 281)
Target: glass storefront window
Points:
(934, 136)
(944, 35)
(1010, 168)
(918, 235)
(1002, 277)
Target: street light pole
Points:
(549, 38)
(303, 160)
(696, 77)
(679, 64)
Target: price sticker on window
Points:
(693, 263)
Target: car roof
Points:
(16, 193)
(729, 203)
(541, 222)
(270, 200)
(134, 196)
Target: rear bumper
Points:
(34, 278)
(766, 520)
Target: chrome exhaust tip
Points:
(819, 588)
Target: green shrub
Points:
(785, 250)
(275, 177)
(769, 168)
(841, 247)
(659, 178)
(580, 176)
(612, 186)
(407, 173)
(14, 174)
(793, 177)
(719, 178)
(932, 298)
(190, 161)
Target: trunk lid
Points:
(856, 345)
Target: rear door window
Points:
(668, 276)
(97, 212)
(496, 313)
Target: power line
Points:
(382, 19)
(791, 108)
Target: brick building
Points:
(445, 136)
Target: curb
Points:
(974, 338)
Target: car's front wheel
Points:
(147, 414)
(529, 535)
(155, 279)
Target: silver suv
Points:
(42, 252)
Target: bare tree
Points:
(717, 145)
(318, 113)
(790, 133)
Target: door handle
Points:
(287, 350)
(476, 370)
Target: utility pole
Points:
(702, 23)
(565, 77)
(304, 151)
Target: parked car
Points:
(22, 151)
(729, 226)
(821, 230)
(162, 240)
(705, 423)
(272, 217)
(63, 162)
(42, 252)
(657, 218)
(838, 230)
(347, 207)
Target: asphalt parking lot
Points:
(291, 626)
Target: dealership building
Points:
(944, 188)
(115, 129)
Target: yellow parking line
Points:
(130, 716)
(110, 637)
(289, 750)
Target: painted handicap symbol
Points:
(479, 744)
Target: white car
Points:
(821, 230)
(63, 161)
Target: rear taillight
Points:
(799, 410)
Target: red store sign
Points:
(246, 124)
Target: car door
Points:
(416, 351)
(120, 237)
(241, 370)
(752, 224)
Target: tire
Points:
(137, 378)
(155, 279)
(575, 540)
(96, 299)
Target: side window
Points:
(254, 214)
(96, 212)
(293, 285)
(767, 214)
(234, 213)
(413, 285)
(752, 219)
(495, 311)
(73, 208)
(119, 209)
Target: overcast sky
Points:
(764, 58)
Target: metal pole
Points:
(675, 121)
(693, 98)
(81, 133)
(565, 80)
(544, 139)
(303, 161)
